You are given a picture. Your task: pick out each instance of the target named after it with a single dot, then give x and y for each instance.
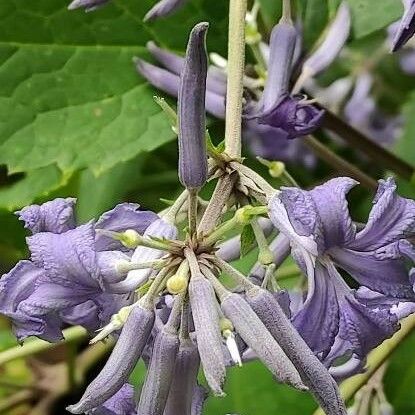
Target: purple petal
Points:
(333, 42)
(388, 276)
(294, 115)
(163, 8)
(68, 258)
(124, 216)
(322, 212)
(56, 216)
(321, 310)
(122, 403)
(406, 27)
(391, 218)
(85, 315)
(15, 287)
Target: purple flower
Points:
(277, 108)
(324, 237)
(163, 8)
(88, 5)
(406, 27)
(64, 282)
(122, 403)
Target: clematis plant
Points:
(155, 282)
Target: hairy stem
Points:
(236, 64)
(192, 210)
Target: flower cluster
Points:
(154, 281)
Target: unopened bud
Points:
(176, 284)
(130, 238)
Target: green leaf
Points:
(405, 146)
(247, 239)
(35, 183)
(315, 17)
(69, 93)
(371, 15)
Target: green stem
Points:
(236, 66)
(375, 359)
(72, 334)
(265, 256)
(192, 210)
(339, 163)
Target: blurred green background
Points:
(77, 120)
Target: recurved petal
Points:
(386, 275)
(159, 374)
(184, 380)
(392, 218)
(56, 216)
(200, 395)
(68, 258)
(312, 371)
(259, 339)
(163, 8)
(208, 336)
(124, 216)
(121, 362)
(321, 309)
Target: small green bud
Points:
(276, 168)
(243, 215)
(176, 284)
(130, 238)
(225, 325)
(265, 257)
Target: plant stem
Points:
(375, 359)
(16, 399)
(72, 334)
(356, 139)
(339, 163)
(236, 66)
(192, 210)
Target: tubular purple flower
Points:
(282, 45)
(406, 27)
(121, 362)
(312, 371)
(332, 44)
(158, 229)
(160, 373)
(258, 338)
(88, 5)
(122, 403)
(184, 380)
(208, 336)
(163, 8)
(191, 111)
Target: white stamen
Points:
(232, 347)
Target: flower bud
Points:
(121, 362)
(159, 374)
(191, 111)
(312, 371)
(162, 9)
(207, 328)
(256, 336)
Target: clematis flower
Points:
(374, 257)
(406, 27)
(64, 281)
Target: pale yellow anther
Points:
(225, 325)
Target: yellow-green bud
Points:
(130, 238)
(276, 168)
(243, 215)
(176, 284)
(225, 324)
(265, 257)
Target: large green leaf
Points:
(69, 94)
(371, 15)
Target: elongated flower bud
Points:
(184, 380)
(159, 229)
(159, 374)
(256, 336)
(121, 363)
(312, 371)
(209, 339)
(88, 5)
(332, 44)
(282, 45)
(406, 27)
(162, 9)
(191, 111)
